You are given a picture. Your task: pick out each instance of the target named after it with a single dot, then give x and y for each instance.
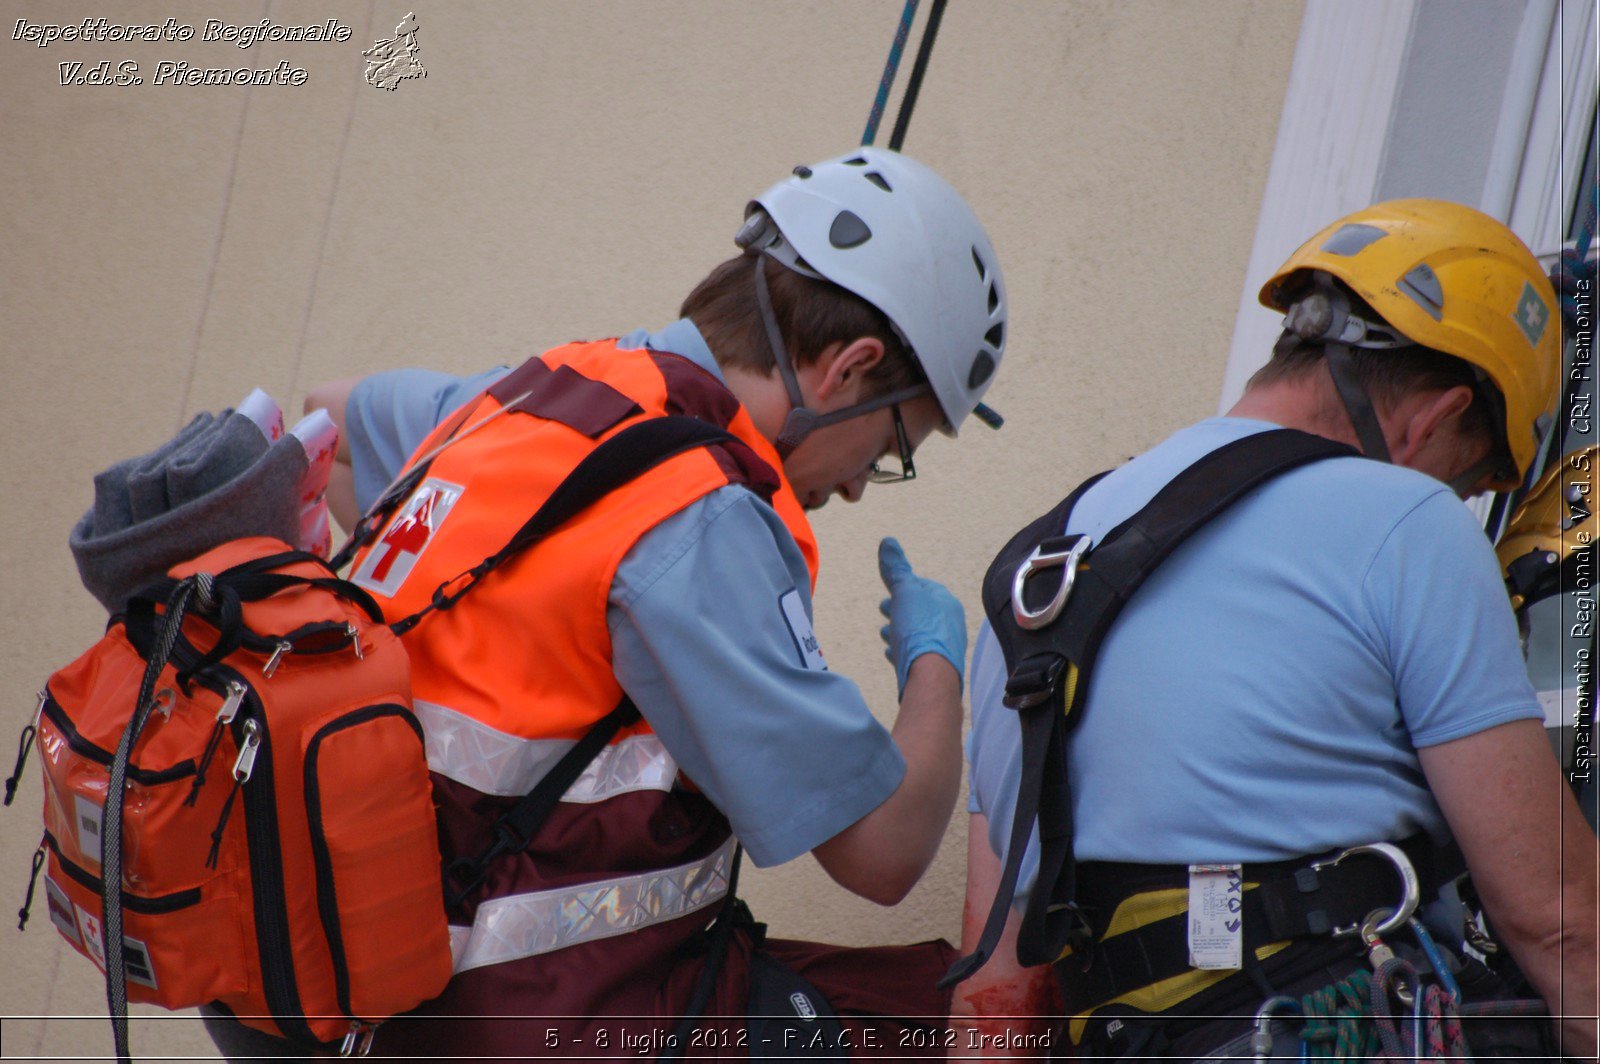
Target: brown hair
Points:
(811, 314)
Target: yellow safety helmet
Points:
(1554, 522)
(1453, 279)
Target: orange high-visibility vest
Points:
(590, 920)
(532, 655)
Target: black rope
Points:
(918, 69)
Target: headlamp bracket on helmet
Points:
(759, 235)
(1324, 315)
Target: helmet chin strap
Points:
(802, 421)
(1369, 430)
(1323, 316)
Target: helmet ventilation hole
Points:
(1422, 285)
(877, 179)
(848, 231)
(977, 260)
(982, 369)
(855, 161)
(997, 335)
(994, 298)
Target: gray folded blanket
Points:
(217, 479)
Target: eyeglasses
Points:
(877, 474)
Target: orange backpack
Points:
(274, 850)
(279, 845)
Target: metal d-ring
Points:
(1041, 559)
(1411, 889)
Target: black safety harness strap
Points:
(1299, 898)
(1051, 655)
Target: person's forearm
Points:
(1003, 1010)
(1561, 964)
(333, 396)
(882, 855)
(928, 732)
(1532, 857)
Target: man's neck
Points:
(762, 395)
(1308, 403)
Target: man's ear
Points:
(1423, 416)
(844, 368)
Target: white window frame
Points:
(1338, 116)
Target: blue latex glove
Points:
(924, 617)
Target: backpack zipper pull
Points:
(225, 715)
(358, 1041)
(355, 639)
(278, 652)
(33, 879)
(242, 767)
(246, 762)
(24, 744)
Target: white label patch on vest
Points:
(805, 640)
(1216, 901)
(89, 935)
(89, 817)
(396, 551)
(61, 913)
(136, 962)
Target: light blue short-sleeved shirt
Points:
(706, 647)
(1263, 694)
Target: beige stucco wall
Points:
(570, 169)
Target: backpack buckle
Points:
(1047, 555)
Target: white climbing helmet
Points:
(885, 227)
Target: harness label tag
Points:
(1216, 919)
(805, 640)
(391, 558)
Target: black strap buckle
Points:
(1034, 680)
(472, 871)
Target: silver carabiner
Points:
(1066, 560)
(1411, 889)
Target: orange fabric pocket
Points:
(372, 835)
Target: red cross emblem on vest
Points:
(391, 559)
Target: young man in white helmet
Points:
(865, 312)
(1313, 691)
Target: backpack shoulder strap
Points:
(1051, 631)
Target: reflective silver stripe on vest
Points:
(493, 762)
(528, 925)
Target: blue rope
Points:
(889, 70)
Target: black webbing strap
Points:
(1050, 666)
(1357, 403)
(631, 452)
(227, 590)
(516, 825)
(1039, 738)
(718, 940)
(1292, 900)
